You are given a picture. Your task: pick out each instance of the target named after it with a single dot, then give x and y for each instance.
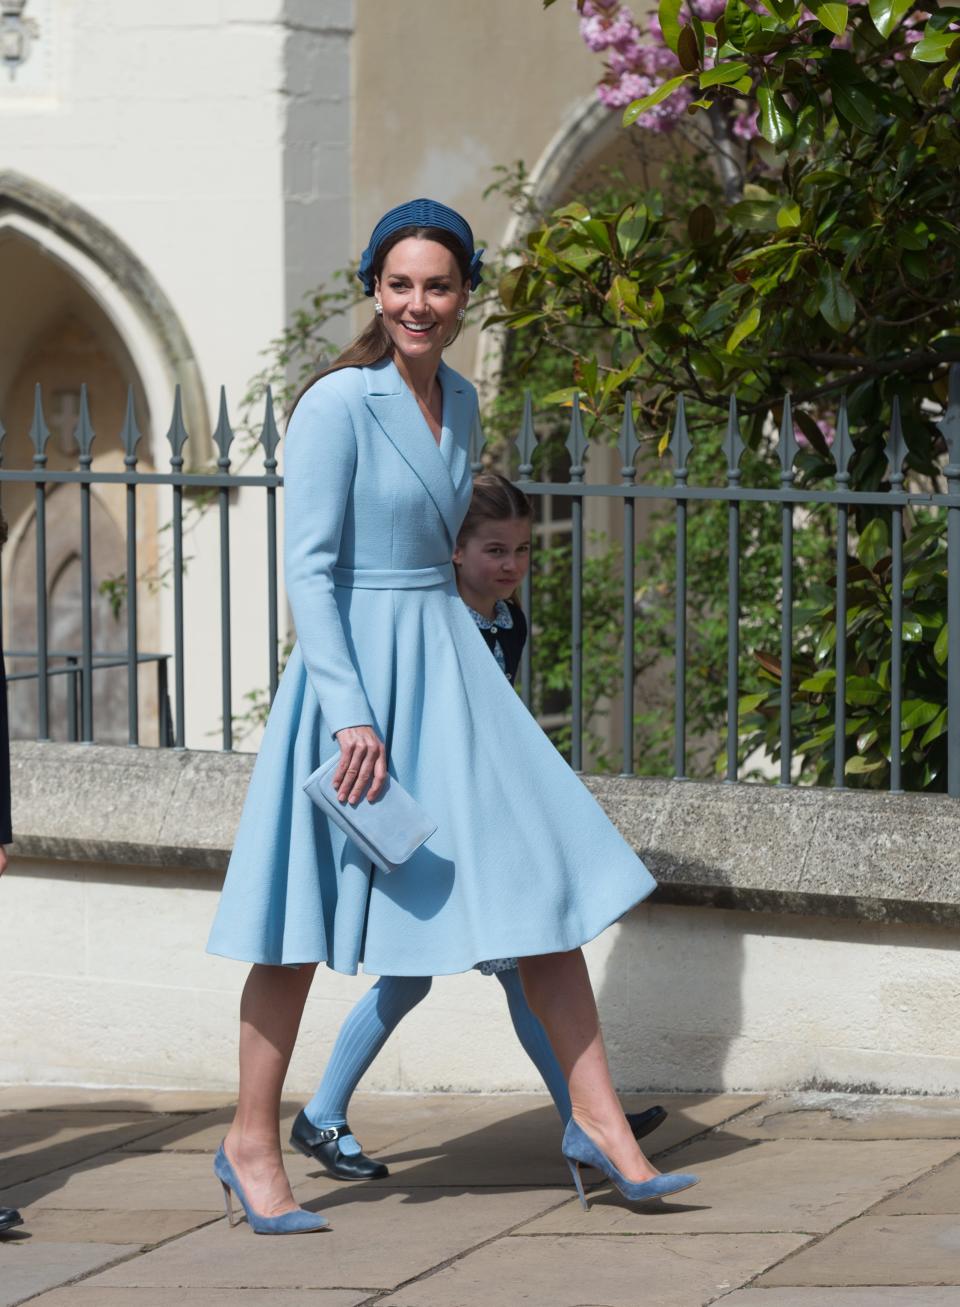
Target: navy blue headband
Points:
(421, 213)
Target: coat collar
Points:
(392, 404)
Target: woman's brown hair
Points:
(374, 343)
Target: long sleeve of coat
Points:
(319, 464)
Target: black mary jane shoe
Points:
(9, 1218)
(324, 1147)
(643, 1123)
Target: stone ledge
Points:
(755, 848)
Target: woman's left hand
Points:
(363, 762)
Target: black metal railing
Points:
(679, 495)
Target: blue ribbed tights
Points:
(374, 1018)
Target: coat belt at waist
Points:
(414, 578)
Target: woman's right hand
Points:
(363, 762)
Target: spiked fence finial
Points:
(733, 442)
(527, 439)
(177, 433)
(130, 433)
(576, 441)
(269, 435)
(842, 444)
(787, 448)
(896, 445)
(39, 431)
(84, 433)
(223, 433)
(680, 445)
(628, 443)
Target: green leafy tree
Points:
(835, 270)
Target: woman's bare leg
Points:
(558, 989)
(270, 1012)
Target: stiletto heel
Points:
(580, 1150)
(575, 1172)
(298, 1222)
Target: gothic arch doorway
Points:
(79, 308)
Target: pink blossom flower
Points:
(594, 32)
(630, 87)
(622, 27)
(664, 117)
(637, 61)
(827, 427)
(746, 125)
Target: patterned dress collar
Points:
(501, 618)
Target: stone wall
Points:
(797, 938)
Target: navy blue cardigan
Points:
(511, 642)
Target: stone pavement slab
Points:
(805, 1185)
(472, 1151)
(137, 1226)
(380, 1238)
(603, 1271)
(463, 1139)
(28, 1268)
(494, 1143)
(914, 1296)
(690, 1114)
(935, 1194)
(85, 1295)
(34, 1143)
(23, 1098)
(907, 1250)
(145, 1182)
(850, 1116)
(378, 1119)
(479, 1207)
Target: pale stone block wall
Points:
(797, 938)
(106, 983)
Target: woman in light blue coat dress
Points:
(391, 673)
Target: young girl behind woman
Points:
(491, 560)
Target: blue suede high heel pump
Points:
(299, 1222)
(580, 1150)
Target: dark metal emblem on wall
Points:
(17, 34)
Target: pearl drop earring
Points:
(378, 308)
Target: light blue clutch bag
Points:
(388, 831)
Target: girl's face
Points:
(421, 291)
(493, 561)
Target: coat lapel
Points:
(399, 416)
(458, 415)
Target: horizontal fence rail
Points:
(678, 497)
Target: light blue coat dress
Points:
(524, 861)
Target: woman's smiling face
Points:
(421, 291)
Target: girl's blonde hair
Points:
(495, 499)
